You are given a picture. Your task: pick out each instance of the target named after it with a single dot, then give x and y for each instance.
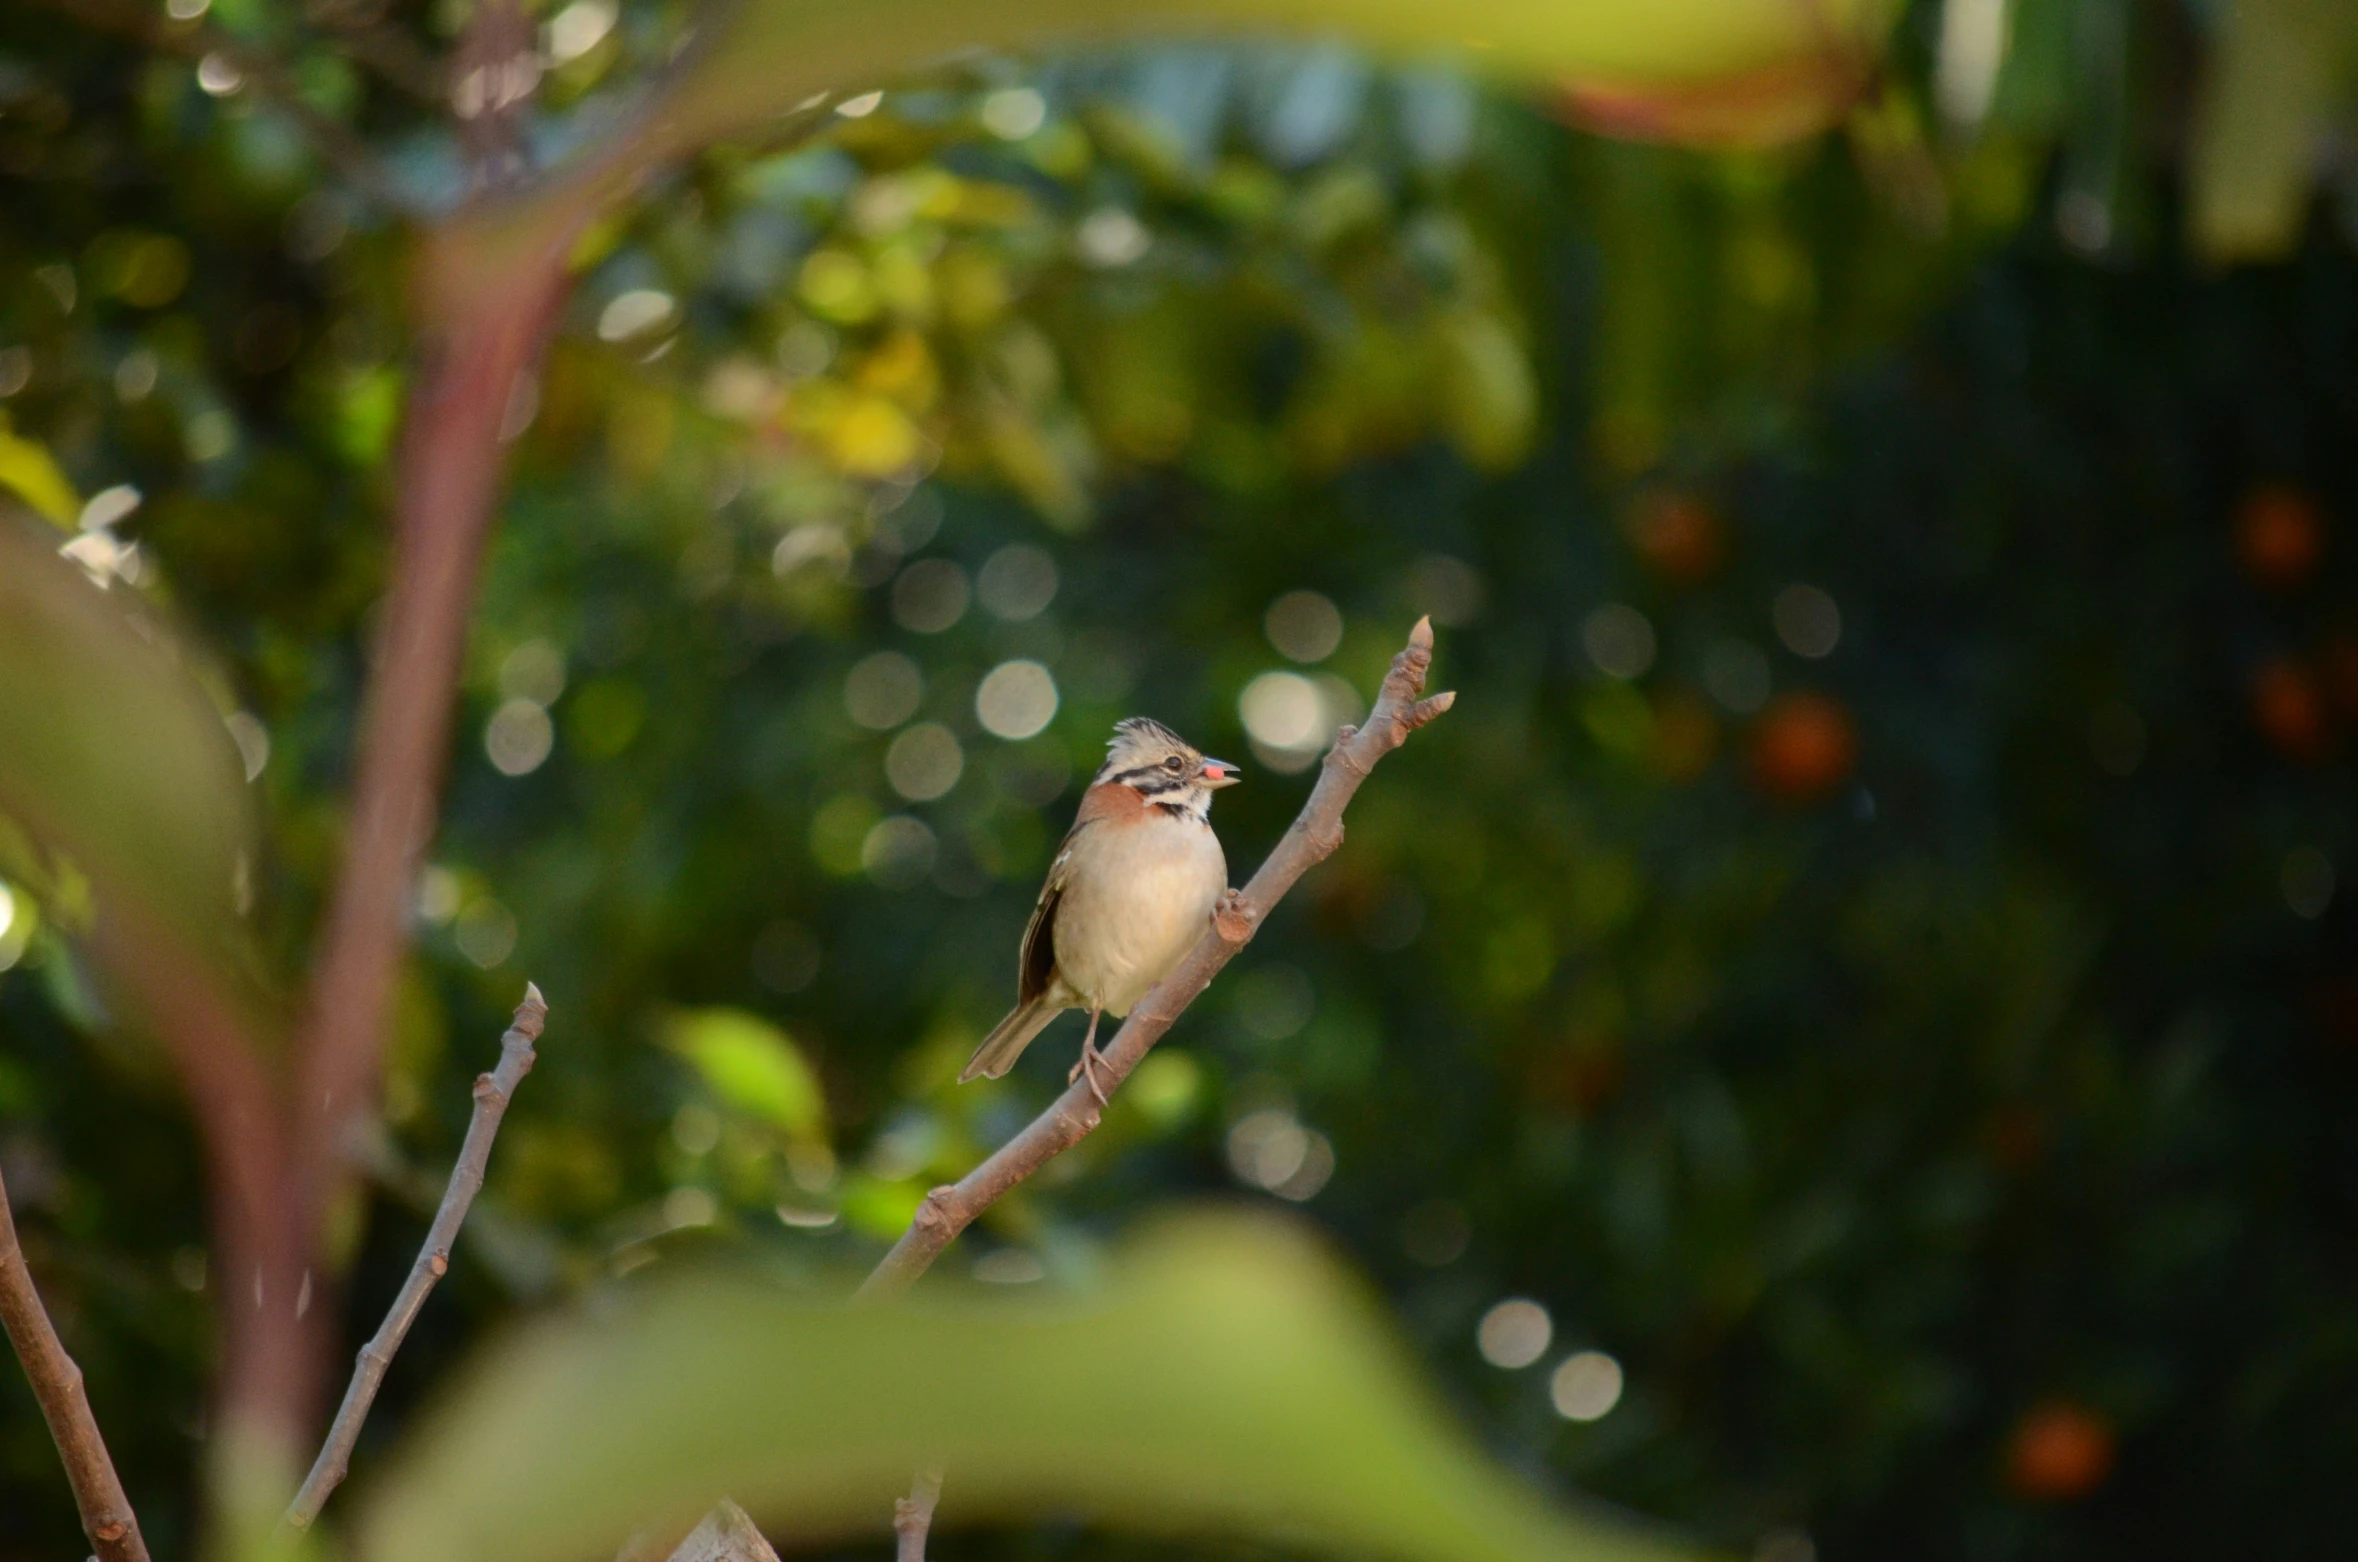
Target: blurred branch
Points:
(472, 387)
(493, 1091)
(1315, 834)
(912, 1516)
(201, 40)
(57, 1384)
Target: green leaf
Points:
(1724, 68)
(1231, 1378)
(110, 752)
(32, 474)
(2276, 75)
(752, 1066)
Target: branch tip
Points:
(533, 1012)
(1421, 637)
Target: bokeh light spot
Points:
(1619, 639)
(898, 852)
(533, 671)
(1271, 1150)
(486, 933)
(1737, 676)
(1807, 621)
(1013, 113)
(1017, 582)
(1275, 1001)
(1016, 700)
(1585, 1386)
(635, 313)
(1304, 626)
(930, 596)
(1514, 1334)
(883, 690)
(924, 762)
(518, 738)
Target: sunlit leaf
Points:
(751, 1066)
(1231, 1379)
(28, 470)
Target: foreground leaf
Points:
(1710, 70)
(1231, 1379)
(110, 753)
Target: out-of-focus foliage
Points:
(1861, 971)
(1226, 1376)
(119, 769)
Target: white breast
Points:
(1137, 898)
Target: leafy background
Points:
(1905, 1021)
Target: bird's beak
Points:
(1219, 772)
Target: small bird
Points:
(1133, 883)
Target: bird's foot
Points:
(1232, 917)
(1090, 1061)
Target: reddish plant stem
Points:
(57, 1384)
(1315, 834)
(452, 456)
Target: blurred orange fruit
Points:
(1676, 534)
(2289, 709)
(2279, 536)
(1803, 747)
(2059, 1450)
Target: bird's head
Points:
(1156, 762)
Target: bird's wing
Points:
(1037, 965)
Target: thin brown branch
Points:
(493, 1091)
(912, 1516)
(57, 1384)
(1315, 834)
(200, 40)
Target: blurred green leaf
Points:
(27, 468)
(752, 1066)
(1231, 1378)
(109, 751)
(768, 58)
(2275, 77)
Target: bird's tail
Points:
(1009, 1037)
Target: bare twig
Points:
(57, 1383)
(493, 1091)
(1315, 834)
(912, 1516)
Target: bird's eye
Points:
(1174, 764)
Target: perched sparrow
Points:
(1131, 887)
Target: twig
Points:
(912, 1516)
(57, 1383)
(1315, 834)
(492, 1094)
